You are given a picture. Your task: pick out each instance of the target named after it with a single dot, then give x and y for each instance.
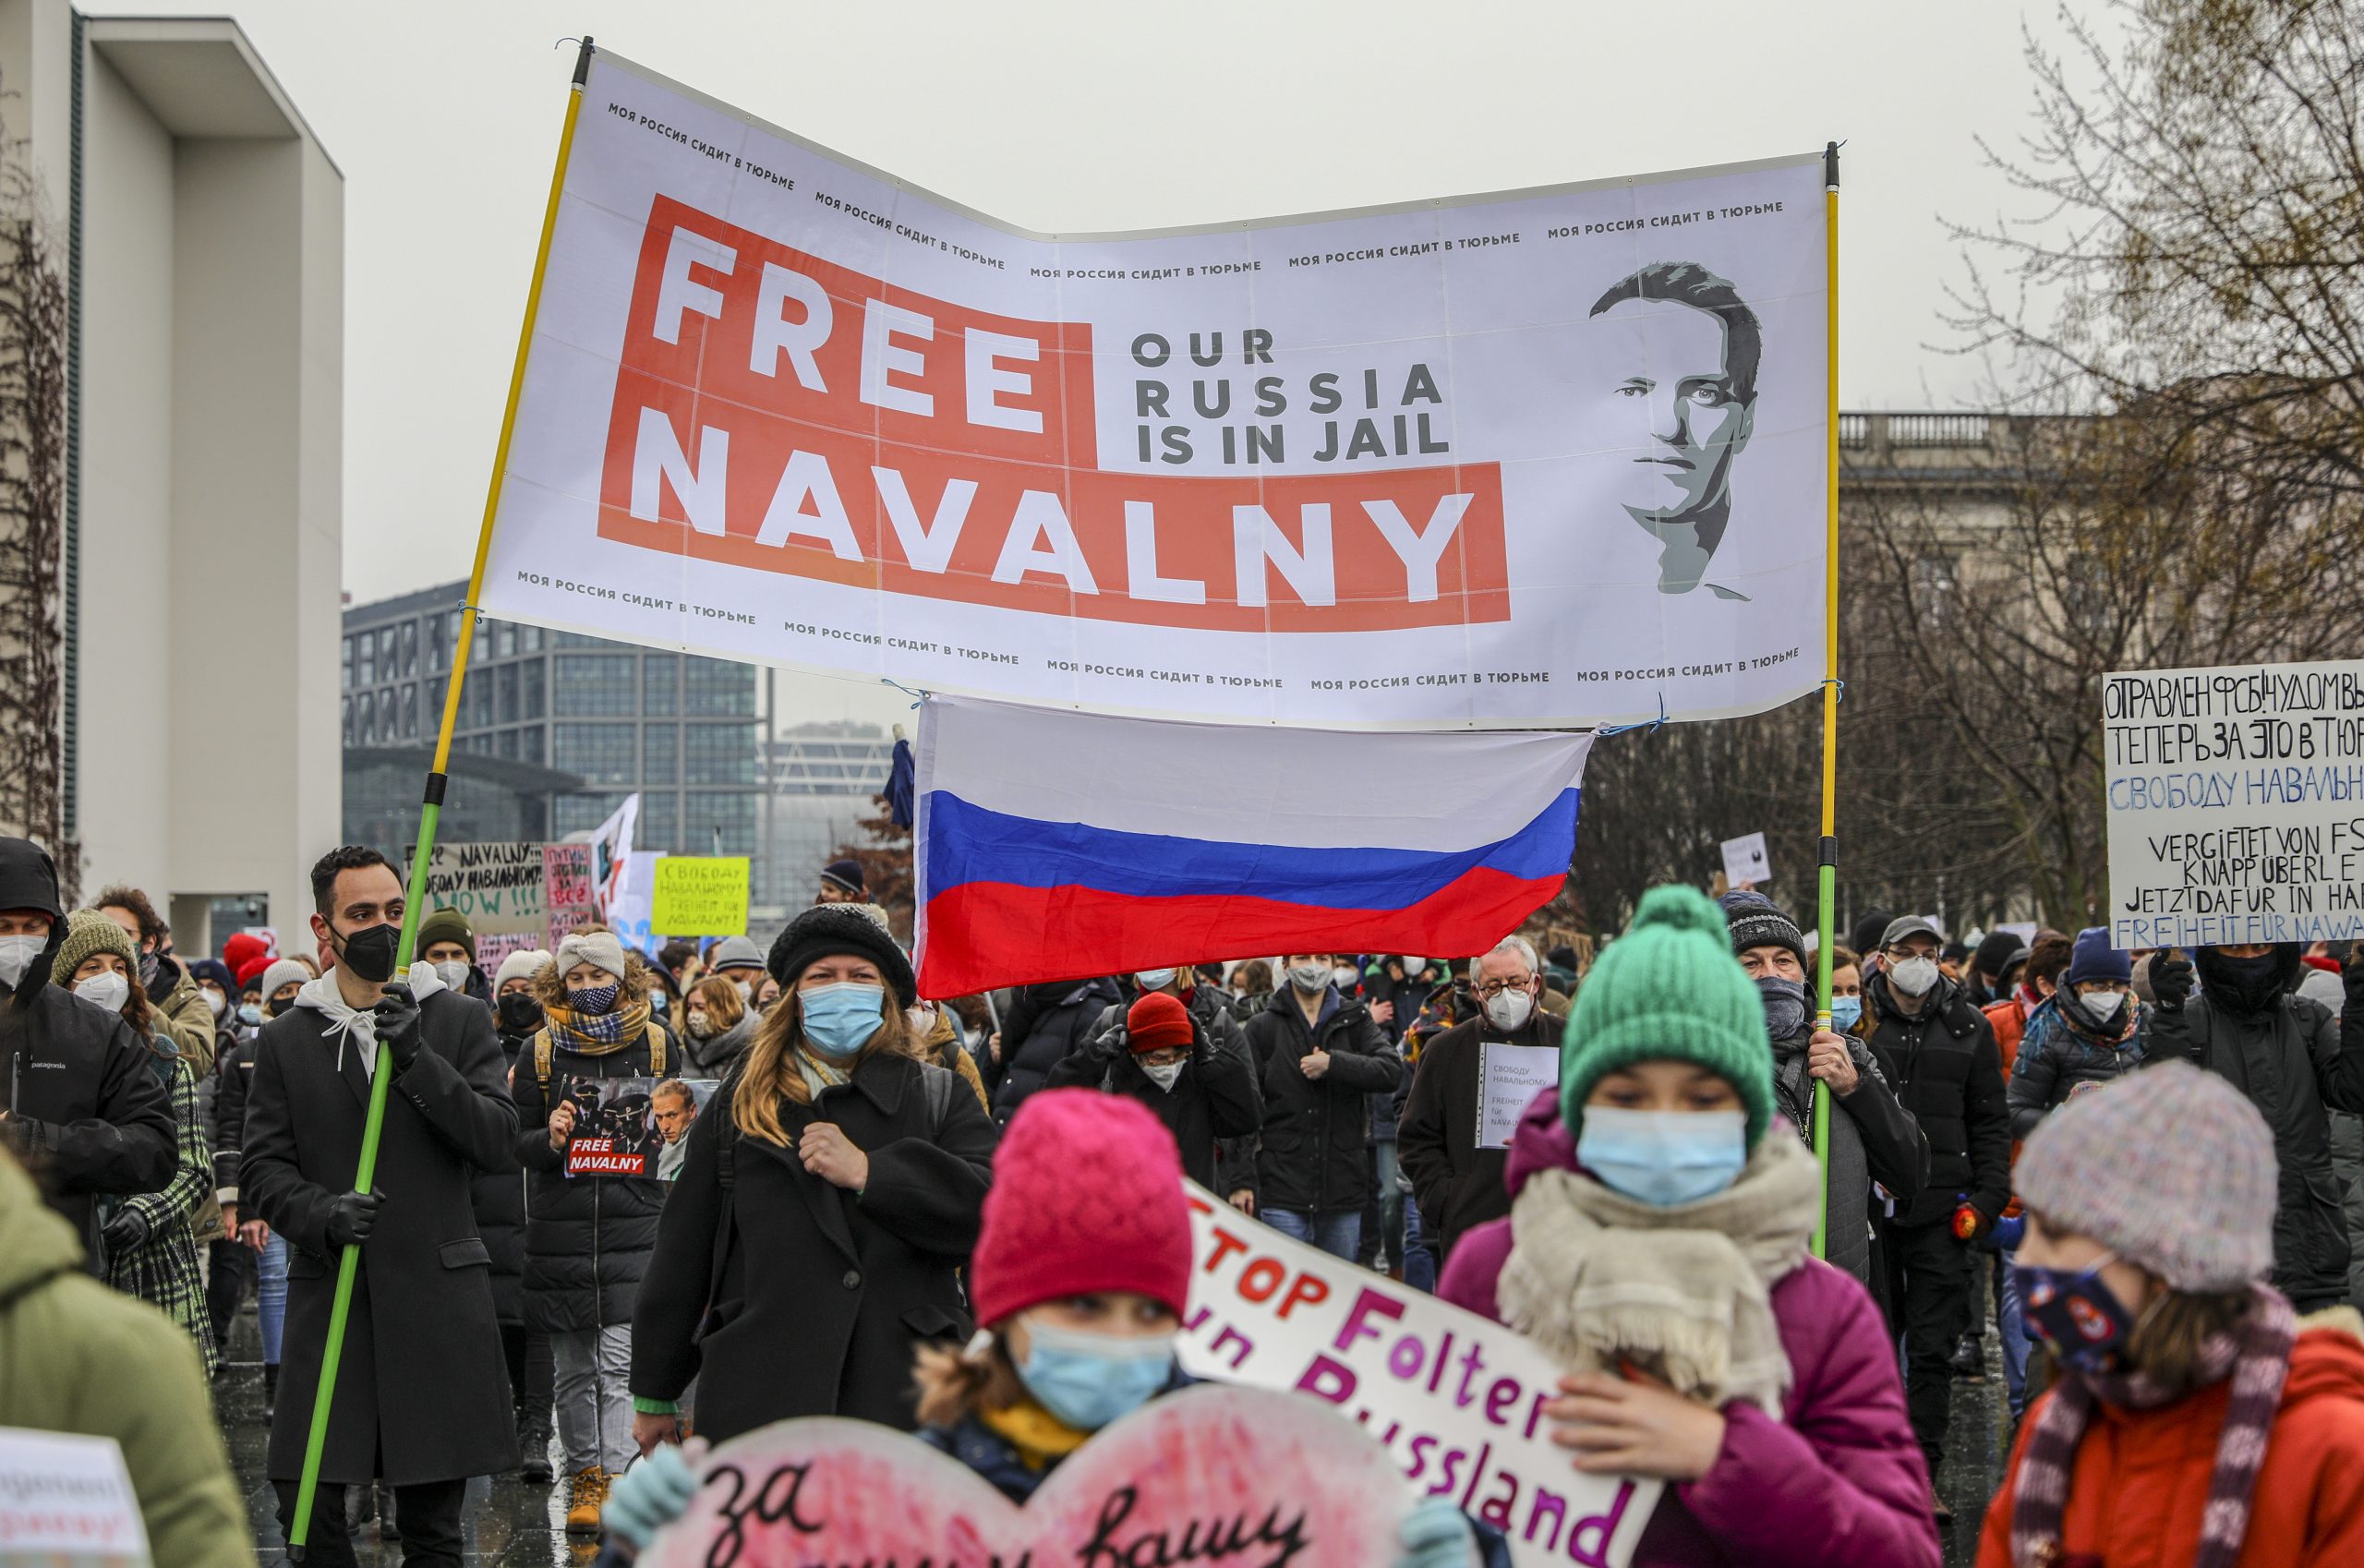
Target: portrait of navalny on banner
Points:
(1678, 343)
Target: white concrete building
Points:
(205, 275)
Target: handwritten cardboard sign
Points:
(569, 889)
(2232, 798)
(1222, 1475)
(1457, 1400)
(701, 895)
(66, 1499)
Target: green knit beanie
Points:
(446, 925)
(88, 932)
(1669, 990)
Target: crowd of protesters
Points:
(627, 1201)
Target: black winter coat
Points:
(588, 1239)
(423, 1393)
(1458, 1184)
(1215, 1098)
(85, 1109)
(499, 1197)
(1873, 1139)
(1316, 1152)
(2292, 1060)
(1949, 1074)
(1044, 1026)
(234, 1081)
(823, 1296)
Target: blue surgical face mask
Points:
(1089, 1380)
(1846, 1012)
(2078, 1316)
(1664, 1157)
(250, 1012)
(839, 1019)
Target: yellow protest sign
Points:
(701, 895)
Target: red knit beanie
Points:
(252, 969)
(1159, 1022)
(243, 948)
(1087, 1196)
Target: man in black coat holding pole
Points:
(422, 1396)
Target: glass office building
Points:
(585, 723)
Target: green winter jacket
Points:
(76, 1356)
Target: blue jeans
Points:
(2013, 1325)
(1390, 1201)
(1419, 1263)
(1337, 1234)
(271, 1294)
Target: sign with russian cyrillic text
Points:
(1548, 457)
(2236, 804)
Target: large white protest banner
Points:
(1541, 458)
(1457, 1400)
(2236, 804)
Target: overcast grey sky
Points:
(1089, 114)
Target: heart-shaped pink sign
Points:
(1240, 1478)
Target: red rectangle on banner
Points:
(779, 412)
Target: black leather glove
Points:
(397, 1017)
(353, 1217)
(2171, 980)
(124, 1231)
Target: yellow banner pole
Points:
(1830, 688)
(349, 1264)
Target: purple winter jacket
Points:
(1838, 1483)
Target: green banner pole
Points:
(349, 1264)
(1828, 886)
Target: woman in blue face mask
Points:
(831, 1191)
(1081, 1275)
(1659, 1246)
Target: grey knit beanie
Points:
(2171, 1168)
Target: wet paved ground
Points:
(511, 1525)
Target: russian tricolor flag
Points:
(1053, 845)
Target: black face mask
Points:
(520, 1014)
(1785, 1006)
(370, 953)
(2253, 985)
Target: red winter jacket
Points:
(1838, 1482)
(2141, 1478)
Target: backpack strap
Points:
(940, 1085)
(726, 1139)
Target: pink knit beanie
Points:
(1087, 1196)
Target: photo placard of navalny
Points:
(1536, 459)
(2236, 802)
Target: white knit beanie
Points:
(599, 949)
(285, 971)
(522, 964)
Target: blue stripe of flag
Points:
(970, 843)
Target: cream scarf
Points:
(1680, 1293)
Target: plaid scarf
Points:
(2255, 1354)
(597, 1034)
